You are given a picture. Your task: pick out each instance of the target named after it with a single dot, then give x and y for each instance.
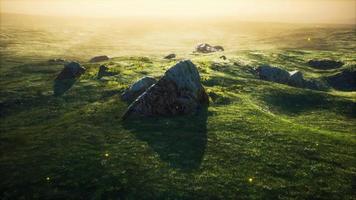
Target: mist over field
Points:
(273, 115)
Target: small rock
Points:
(138, 88)
(57, 61)
(219, 48)
(178, 92)
(170, 56)
(223, 57)
(67, 77)
(325, 64)
(104, 71)
(99, 59)
(207, 48)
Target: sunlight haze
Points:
(302, 11)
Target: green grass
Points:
(256, 140)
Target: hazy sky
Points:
(313, 11)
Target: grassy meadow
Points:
(256, 140)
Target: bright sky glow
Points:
(314, 11)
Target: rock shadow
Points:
(296, 103)
(62, 86)
(179, 141)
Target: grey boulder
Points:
(178, 92)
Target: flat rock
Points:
(67, 77)
(325, 64)
(99, 59)
(178, 92)
(136, 89)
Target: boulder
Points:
(67, 77)
(345, 80)
(99, 59)
(170, 56)
(104, 71)
(325, 64)
(178, 92)
(273, 74)
(207, 48)
(296, 79)
(138, 88)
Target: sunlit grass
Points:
(256, 140)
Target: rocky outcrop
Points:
(99, 59)
(273, 74)
(325, 64)
(345, 80)
(294, 78)
(178, 92)
(170, 56)
(67, 77)
(138, 88)
(207, 48)
(104, 71)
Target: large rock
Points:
(67, 77)
(207, 48)
(345, 80)
(99, 59)
(273, 74)
(325, 64)
(178, 92)
(138, 88)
